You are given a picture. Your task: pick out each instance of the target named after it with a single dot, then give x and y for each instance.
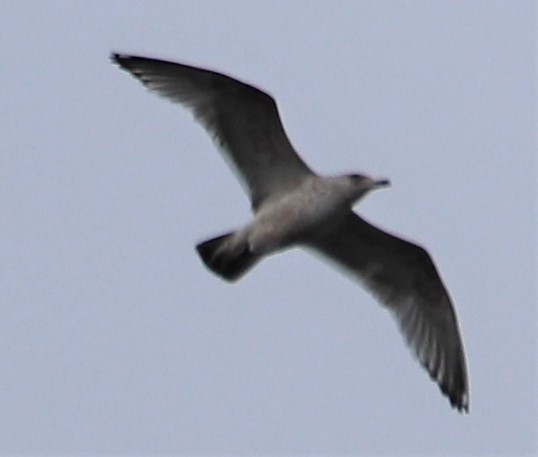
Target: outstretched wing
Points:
(403, 277)
(243, 121)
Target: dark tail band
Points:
(228, 260)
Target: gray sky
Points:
(114, 339)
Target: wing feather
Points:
(405, 280)
(242, 120)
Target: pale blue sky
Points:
(114, 339)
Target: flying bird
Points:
(294, 207)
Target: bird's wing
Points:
(243, 121)
(403, 277)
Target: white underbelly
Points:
(291, 220)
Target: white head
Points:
(357, 186)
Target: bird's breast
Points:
(294, 218)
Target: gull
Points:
(294, 207)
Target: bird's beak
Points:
(378, 183)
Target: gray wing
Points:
(242, 120)
(403, 277)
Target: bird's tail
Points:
(227, 257)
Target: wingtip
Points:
(462, 409)
(119, 58)
(458, 400)
(463, 404)
(454, 388)
(115, 56)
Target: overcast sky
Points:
(114, 338)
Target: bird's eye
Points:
(356, 177)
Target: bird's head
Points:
(359, 185)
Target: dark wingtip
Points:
(460, 404)
(458, 396)
(119, 59)
(456, 388)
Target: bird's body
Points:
(293, 206)
(298, 217)
(303, 213)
